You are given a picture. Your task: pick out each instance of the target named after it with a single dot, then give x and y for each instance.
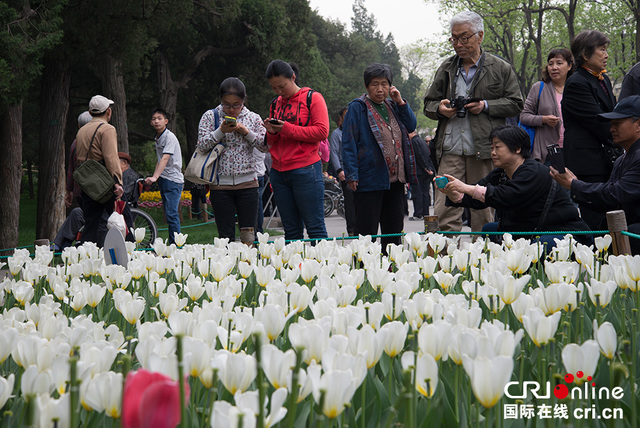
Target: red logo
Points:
(562, 391)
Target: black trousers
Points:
(349, 208)
(227, 203)
(383, 208)
(420, 195)
(95, 219)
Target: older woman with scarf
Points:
(377, 156)
(589, 151)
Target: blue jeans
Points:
(299, 195)
(171, 192)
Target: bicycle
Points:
(333, 197)
(143, 219)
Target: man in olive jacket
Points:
(472, 93)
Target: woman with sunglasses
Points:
(235, 190)
(298, 121)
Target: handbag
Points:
(93, 177)
(203, 165)
(531, 130)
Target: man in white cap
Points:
(104, 149)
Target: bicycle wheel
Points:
(329, 204)
(144, 220)
(340, 206)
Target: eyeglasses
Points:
(232, 106)
(463, 39)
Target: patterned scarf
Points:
(600, 75)
(389, 138)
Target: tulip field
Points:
(437, 333)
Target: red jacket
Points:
(296, 145)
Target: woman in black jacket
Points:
(519, 188)
(588, 148)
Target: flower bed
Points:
(154, 200)
(332, 334)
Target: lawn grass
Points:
(199, 231)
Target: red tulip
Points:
(151, 400)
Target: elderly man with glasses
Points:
(472, 93)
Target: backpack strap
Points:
(272, 107)
(309, 96)
(216, 118)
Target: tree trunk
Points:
(168, 90)
(51, 172)
(113, 87)
(191, 121)
(10, 175)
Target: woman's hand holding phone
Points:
(273, 126)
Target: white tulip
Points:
(606, 337)
(434, 339)
(600, 293)
(426, 372)
(540, 328)
(238, 372)
(488, 377)
(6, 388)
(138, 234)
(582, 358)
(393, 335)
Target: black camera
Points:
(458, 104)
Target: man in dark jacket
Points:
(425, 170)
(622, 190)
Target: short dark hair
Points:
(514, 138)
(160, 111)
(233, 86)
(377, 70)
(553, 53)
(278, 67)
(341, 113)
(585, 44)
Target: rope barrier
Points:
(632, 235)
(571, 232)
(189, 226)
(389, 235)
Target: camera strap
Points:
(474, 81)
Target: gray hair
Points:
(468, 17)
(84, 118)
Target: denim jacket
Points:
(362, 156)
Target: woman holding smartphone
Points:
(298, 121)
(235, 190)
(542, 109)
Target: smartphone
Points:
(230, 120)
(554, 156)
(274, 122)
(441, 182)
